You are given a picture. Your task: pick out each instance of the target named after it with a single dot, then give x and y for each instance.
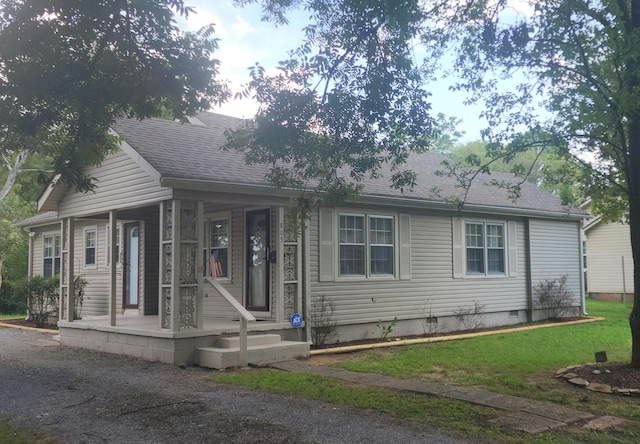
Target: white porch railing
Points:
(244, 317)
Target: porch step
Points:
(258, 353)
(253, 340)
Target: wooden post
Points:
(71, 291)
(113, 257)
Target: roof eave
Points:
(267, 190)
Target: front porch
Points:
(141, 337)
(202, 273)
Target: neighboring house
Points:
(607, 247)
(201, 242)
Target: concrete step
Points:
(252, 340)
(221, 358)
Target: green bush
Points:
(12, 301)
(41, 295)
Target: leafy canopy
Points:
(345, 103)
(69, 68)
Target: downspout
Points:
(306, 291)
(581, 250)
(528, 279)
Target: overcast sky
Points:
(245, 40)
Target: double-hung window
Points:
(485, 248)
(217, 248)
(366, 245)
(117, 244)
(51, 254)
(90, 246)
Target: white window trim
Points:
(208, 217)
(108, 245)
(367, 245)
(505, 248)
(84, 247)
(52, 234)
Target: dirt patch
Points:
(615, 374)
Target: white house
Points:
(202, 252)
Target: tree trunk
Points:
(633, 182)
(13, 173)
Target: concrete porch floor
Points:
(150, 326)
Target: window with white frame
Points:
(485, 248)
(90, 247)
(217, 255)
(117, 244)
(366, 245)
(51, 254)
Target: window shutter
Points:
(458, 256)
(513, 248)
(325, 234)
(405, 246)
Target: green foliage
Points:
(69, 69)
(346, 104)
(386, 329)
(12, 301)
(41, 295)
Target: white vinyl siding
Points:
(431, 285)
(555, 251)
(121, 184)
(606, 245)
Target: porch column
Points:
(181, 283)
(67, 292)
(289, 264)
(113, 257)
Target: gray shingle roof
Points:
(39, 219)
(192, 152)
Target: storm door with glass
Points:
(131, 265)
(257, 259)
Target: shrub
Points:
(12, 301)
(320, 317)
(553, 297)
(472, 318)
(40, 292)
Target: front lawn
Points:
(520, 364)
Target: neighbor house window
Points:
(90, 243)
(52, 250)
(485, 249)
(217, 245)
(366, 245)
(109, 244)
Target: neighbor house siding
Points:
(431, 291)
(606, 245)
(555, 251)
(121, 183)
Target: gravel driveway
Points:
(81, 396)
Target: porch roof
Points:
(185, 154)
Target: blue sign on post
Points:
(296, 320)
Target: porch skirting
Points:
(141, 338)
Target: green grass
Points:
(505, 361)
(12, 316)
(521, 364)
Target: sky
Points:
(245, 40)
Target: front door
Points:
(131, 264)
(257, 241)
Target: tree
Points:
(576, 64)
(582, 57)
(68, 69)
(549, 168)
(348, 101)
